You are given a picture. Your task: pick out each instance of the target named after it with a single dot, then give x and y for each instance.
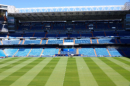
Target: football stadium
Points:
(65, 46)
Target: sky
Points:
(60, 3)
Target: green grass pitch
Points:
(65, 71)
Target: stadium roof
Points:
(70, 13)
(62, 16)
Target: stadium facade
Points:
(87, 31)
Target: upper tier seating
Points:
(2, 53)
(94, 41)
(35, 52)
(10, 52)
(22, 52)
(89, 52)
(98, 33)
(68, 40)
(55, 41)
(50, 51)
(107, 41)
(82, 41)
(32, 42)
(114, 52)
(43, 41)
(9, 42)
(102, 52)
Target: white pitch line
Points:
(10, 62)
(118, 79)
(58, 74)
(85, 76)
(123, 65)
(15, 68)
(30, 75)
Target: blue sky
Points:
(59, 3)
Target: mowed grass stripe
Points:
(99, 75)
(57, 76)
(117, 68)
(17, 74)
(29, 76)
(15, 68)
(122, 60)
(11, 64)
(5, 61)
(71, 74)
(44, 74)
(125, 58)
(123, 65)
(85, 76)
(118, 79)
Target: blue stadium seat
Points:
(89, 52)
(22, 52)
(36, 52)
(50, 51)
(102, 52)
(2, 54)
(10, 52)
(114, 52)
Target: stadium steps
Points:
(95, 52)
(29, 52)
(77, 51)
(74, 41)
(33, 34)
(45, 34)
(19, 41)
(5, 53)
(47, 41)
(41, 41)
(63, 41)
(116, 41)
(23, 41)
(7, 35)
(124, 53)
(1, 42)
(92, 34)
(59, 51)
(91, 41)
(97, 41)
(108, 52)
(41, 53)
(16, 52)
(104, 33)
(119, 40)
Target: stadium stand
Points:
(2, 54)
(89, 37)
(22, 52)
(10, 52)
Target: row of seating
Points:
(77, 41)
(89, 52)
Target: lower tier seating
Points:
(35, 52)
(22, 52)
(10, 52)
(50, 51)
(87, 52)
